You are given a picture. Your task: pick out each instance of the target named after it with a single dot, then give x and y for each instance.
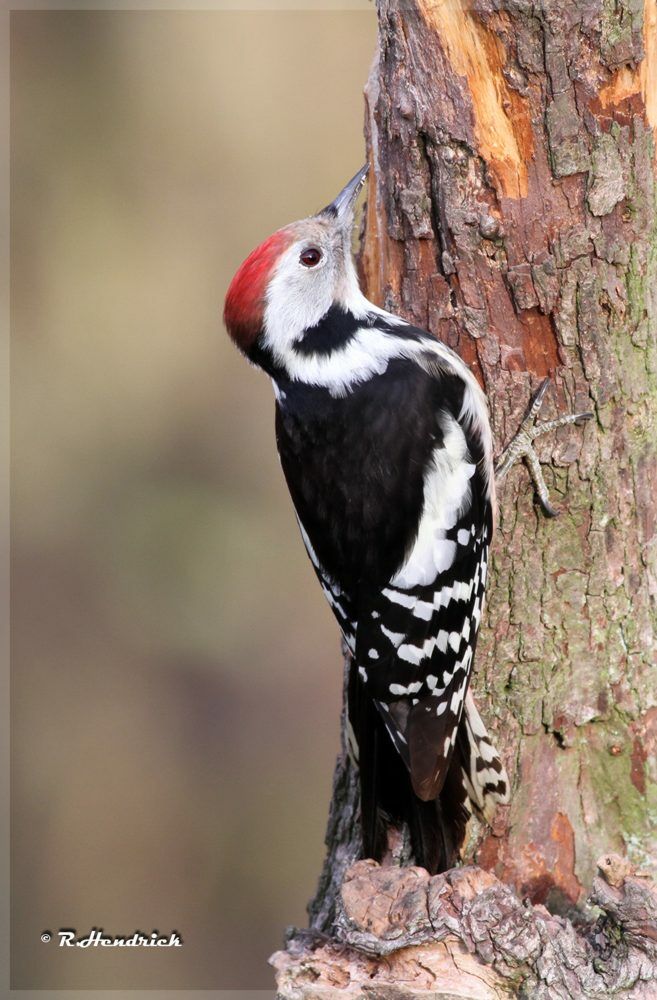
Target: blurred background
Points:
(175, 670)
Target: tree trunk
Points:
(511, 211)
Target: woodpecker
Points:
(385, 443)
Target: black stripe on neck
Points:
(338, 326)
(335, 329)
(262, 356)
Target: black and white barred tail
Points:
(475, 783)
(484, 776)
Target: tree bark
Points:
(511, 211)
(465, 934)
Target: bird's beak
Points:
(341, 208)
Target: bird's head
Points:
(289, 283)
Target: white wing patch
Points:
(447, 494)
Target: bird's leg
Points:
(521, 446)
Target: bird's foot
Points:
(522, 446)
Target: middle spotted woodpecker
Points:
(385, 443)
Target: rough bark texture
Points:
(466, 934)
(343, 839)
(511, 211)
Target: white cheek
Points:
(297, 298)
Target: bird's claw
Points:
(522, 446)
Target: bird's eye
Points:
(310, 257)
